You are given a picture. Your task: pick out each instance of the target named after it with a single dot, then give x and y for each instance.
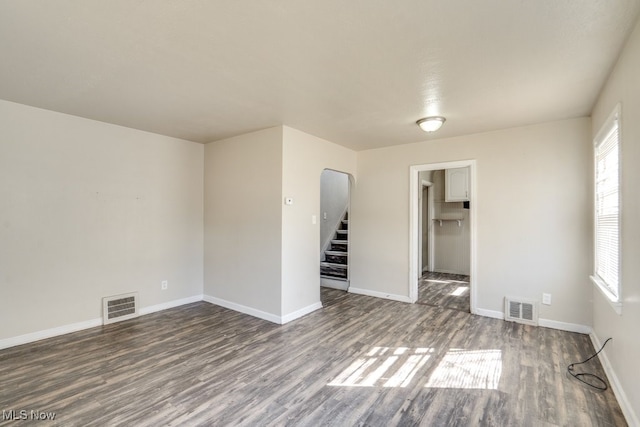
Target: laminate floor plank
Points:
(444, 290)
(359, 361)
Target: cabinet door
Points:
(456, 185)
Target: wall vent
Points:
(521, 310)
(119, 307)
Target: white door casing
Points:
(415, 188)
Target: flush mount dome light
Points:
(431, 124)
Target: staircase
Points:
(336, 262)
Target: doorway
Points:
(443, 235)
(334, 232)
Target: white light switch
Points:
(288, 201)
(314, 219)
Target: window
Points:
(607, 209)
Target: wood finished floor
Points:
(444, 290)
(359, 361)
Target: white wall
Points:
(243, 220)
(89, 209)
(534, 228)
(623, 351)
(334, 199)
(304, 158)
(261, 256)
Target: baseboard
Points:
(341, 285)
(545, 323)
(489, 313)
(370, 293)
(170, 304)
(243, 309)
(621, 396)
(49, 333)
(563, 326)
(302, 312)
(79, 326)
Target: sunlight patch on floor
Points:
(445, 282)
(397, 367)
(470, 369)
(459, 291)
(384, 367)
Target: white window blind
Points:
(607, 208)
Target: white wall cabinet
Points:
(456, 185)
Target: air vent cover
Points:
(521, 310)
(119, 307)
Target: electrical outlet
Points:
(546, 299)
(165, 285)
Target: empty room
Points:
(319, 213)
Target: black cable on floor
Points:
(600, 384)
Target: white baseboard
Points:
(170, 304)
(75, 327)
(545, 323)
(621, 396)
(302, 312)
(368, 292)
(243, 309)
(49, 333)
(489, 313)
(341, 285)
(563, 326)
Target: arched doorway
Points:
(334, 232)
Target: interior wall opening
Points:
(442, 235)
(444, 239)
(334, 230)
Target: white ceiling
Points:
(358, 72)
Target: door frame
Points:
(342, 285)
(425, 186)
(415, 186)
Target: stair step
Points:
(342, 235)
(339, 247)
(339, 242)
(333, 265)
(335, 276)
(333, 270)
(336, 253)
(336, 259)
(327, 276)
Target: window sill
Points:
(614, 302)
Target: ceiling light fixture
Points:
(431, 124)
